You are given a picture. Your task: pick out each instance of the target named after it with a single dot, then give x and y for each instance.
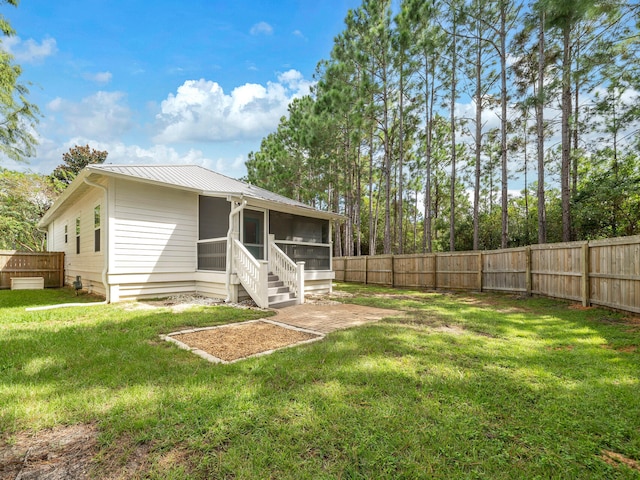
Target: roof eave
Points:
(149, 181)
(70, 190)
(256, 201)
(294, 209)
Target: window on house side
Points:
(78, 235)
(96, 228)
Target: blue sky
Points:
(151, 83)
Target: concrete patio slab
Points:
(329, 318)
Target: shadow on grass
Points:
(37, 298)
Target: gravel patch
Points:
(229, 343)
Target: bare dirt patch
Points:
(236, 341)
(53, 454)
(560, 348)
(616, 459)
(69, 452)
(450, 329)
(624, 349)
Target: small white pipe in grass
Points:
(64, 305)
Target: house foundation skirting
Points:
(209, 284)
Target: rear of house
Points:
(146, 231)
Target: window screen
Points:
(213, 217)
(285, 226)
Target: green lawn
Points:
(464, 386)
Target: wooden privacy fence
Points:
(600, 272)
(49, 265)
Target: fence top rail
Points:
(559, 246)
(605, 242)
(414, 255)
(35, 254)
(458, 254)
(503, 250)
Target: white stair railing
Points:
(289, 272)
(253, 274)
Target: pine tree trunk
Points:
(576, 135)
(542, 217)
(476, 188)
(428, 201)
(359, 201)
(503, 128)
(372, 231)
(452, 226)
(337, 242)
(565, 193)
(386, 243)
(400, 166)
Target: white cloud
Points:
(232, 167)
(201, 111)
(102, 115)
(299, 34)
(50, 153)
(261, 28)
(29, 51)
(294, 80)
(99, 77)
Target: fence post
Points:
(479, 271)
(61, 268)
(435, 271)
(366, 269)
(527, 274)
(393, 271)
(586, 294)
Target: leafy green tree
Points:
(18, 117)
(24, 198)
(608, 200)
(75, 160)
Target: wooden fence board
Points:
(380, 270)
(413, 270)
(505, 270)
(339, 268)
(556, 271)
(357, 270)
(49, 265)
(614, 277)
(601, 272)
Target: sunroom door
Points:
(253, 232)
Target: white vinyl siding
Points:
(154, 229)
(88, 264)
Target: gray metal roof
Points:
(195, 177)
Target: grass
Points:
(463, 386)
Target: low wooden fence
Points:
(49, 265)
(601, 272)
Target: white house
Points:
(143, 231)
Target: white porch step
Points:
(279, 295)
(278, 289)
(283, 303)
